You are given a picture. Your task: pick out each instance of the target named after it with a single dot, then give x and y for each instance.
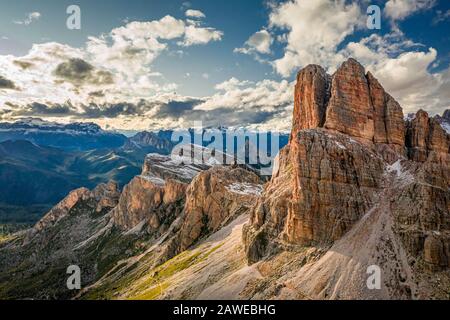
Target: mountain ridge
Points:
(342, 198)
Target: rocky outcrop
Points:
(357, 158)
(155, 198)
(352, 102)
(311, 97)
(350, 109)
(105, 197)
(322, 187)
(148, 201)
(427, 139)
(215, 198)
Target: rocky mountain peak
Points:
(311, 98)
(353, 102)
(350, 101)
(446, 115)
(356, 172)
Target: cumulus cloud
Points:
(113, 67)
(79, 72)
(259, 42)
(6, 83)
(195, 14)
(316, 31)
(255, 104)
(400, 9)
(32, 16)
(315, 28)
(23, 64)
(199, 35)
(265, 105)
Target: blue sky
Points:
(211, 69)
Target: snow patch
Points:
(395, 167)
(153, 179)
(446, 126)
(245, 188)
(401, 174)
(340, 145)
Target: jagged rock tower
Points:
(358, 179)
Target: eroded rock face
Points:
(330, 175)
(350, 102)
(311, 97)
(214, 198)
(426, 139)
(350, 109)
(323, 186)
(148, 201)
(105, 196)
(156, 198)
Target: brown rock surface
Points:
(350, 102)
(426, 139)
(214, 198)
(310, 98)
(434, 253)
(104, 195)
(329, 178)
(350, 109)
(323, 186)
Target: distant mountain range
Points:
(41, 161)
(74, 136)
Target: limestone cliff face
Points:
(352, 102)
(350, 110)
(155, 198)
(427, 139)
(148, 202)
(184, 202)
(312, 92)
(215, 198)
(347, 140)
(104, 196)
(324, 184)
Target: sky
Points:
(151, 64)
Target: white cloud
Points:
(260, 42)
(232, 84)
(205, 76)
(400, 9)
(195, 14)
(198, 35)
(127, 52)
(404, 74)
(441, 16)
(315, 29)
(32, 16)
(265, 95)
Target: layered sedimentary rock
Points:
(350, 109)
(426, 139)
(214, 198)
(351, 102)
(104, 196)
(346, 163)
(323, 186)
(148, 201)
(310, 98)
(156, 197)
